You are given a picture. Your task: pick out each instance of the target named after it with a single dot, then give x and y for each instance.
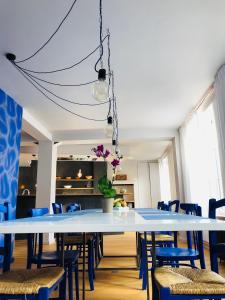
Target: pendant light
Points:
(100, 87)
(109, 127)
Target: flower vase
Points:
(107, 205)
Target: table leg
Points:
(84, 264)
(147, 275)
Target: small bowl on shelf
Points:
(58, 177)
(88, 177)
(67, 186)
(68, 178)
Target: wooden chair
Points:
(194, 251)
(216, 248)
(192, 283)
(37, 256)
(162, 239)
(76, 239)
(27, 284)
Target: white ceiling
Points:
(141, 150)
(164, 55)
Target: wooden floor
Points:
(115, 285)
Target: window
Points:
(164, 179)
(201, 164)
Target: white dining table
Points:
(137, 220)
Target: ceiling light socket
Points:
(102, 74)
(10, 56)
(109, 120)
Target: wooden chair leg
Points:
(62, 288)
(90, 266)
(144, 264)
(70, 281)
(76, 271)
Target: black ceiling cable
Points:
(109, 71)
(56, 83)
(61, 98)
(57, 29)
(66, 68)
(100, 38)
(59, 105)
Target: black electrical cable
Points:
(61, 98)
(109, 70)
(57, 29)
(55, 83)
(59, 105)
(66, 68)
(100, 35)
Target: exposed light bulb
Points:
(100, 87)
(109, 127)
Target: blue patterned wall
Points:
(10, 135)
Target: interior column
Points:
(46, 178)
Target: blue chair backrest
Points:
(73, 207)
(57, 208)
(165, 207)
(35, 241)
(38, 212)
(174, 205)
(6, 247)
(193, 238)
(159, 205)
(215, 247)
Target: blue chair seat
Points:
(53, 257)
(176, 254)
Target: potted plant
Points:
(105, 185)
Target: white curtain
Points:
(165, 184)
(219, 108)
(200, 159)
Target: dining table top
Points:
(94, 220)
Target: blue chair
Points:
(37, 256)
(216, 248)
(73, 207)
(192, 283)
(162, 239)
(76, 239)
(160, 204)
(57, 208)
(27, 284)
(174, 255)
(174, 205)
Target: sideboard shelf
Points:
(76, 188)
(73, 179)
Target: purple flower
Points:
(115, 163)
(107, 152)
(100, 148)
(98, 151)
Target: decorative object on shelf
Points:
(121, 177)
(58, 177)
(79, 174)
(123, 190)
(68, 178)
(88, 177)
(67, 186)
(104, 184)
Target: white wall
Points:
(145, 176)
